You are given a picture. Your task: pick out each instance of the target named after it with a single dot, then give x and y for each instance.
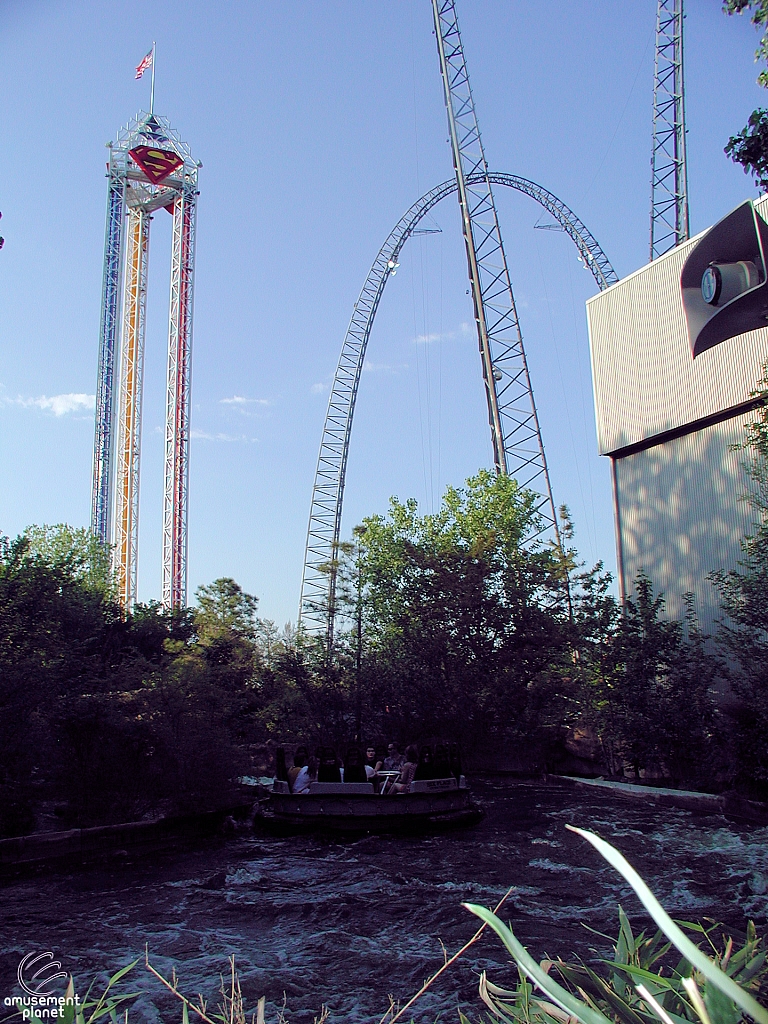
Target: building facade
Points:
(668, 423)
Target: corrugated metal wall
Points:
(680, 515)
(645, 378)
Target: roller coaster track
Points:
(318, 590)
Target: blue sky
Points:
(318, 124)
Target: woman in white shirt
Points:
(307, 775)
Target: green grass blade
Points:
(747, 973)
(661, 982)
(121, 973)
(620, 1006)
(673, 932)
(564, 999)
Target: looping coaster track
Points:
(318, 590)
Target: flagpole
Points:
(152, 90)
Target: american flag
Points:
(145, 64)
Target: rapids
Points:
(345, 923)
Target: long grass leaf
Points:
(662, 983)
(656, 1006)
(619, 1005)
(556, 993)
(121, 973)
(748, 972)
(673, 932)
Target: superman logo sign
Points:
(157, 164)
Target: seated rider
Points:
(328, 770)
(307, 775)
(425, 768)
(394, 760)
(281, 771)
(407, 772)
(373, 764)
(300, 759)
(354, 770)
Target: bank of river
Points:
(345, 923)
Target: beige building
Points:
(667, 422)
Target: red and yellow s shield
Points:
(157, 164)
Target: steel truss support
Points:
(669, 177)
(318, 591)
(518, 448)
(108, 336)
(129, 411)
(149, 168)
(177, 406)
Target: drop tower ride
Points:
(150, 168)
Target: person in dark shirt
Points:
(394, 760)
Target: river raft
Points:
(430, 805)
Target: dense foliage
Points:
(744, 593)
(461, 626)
(749, 147)
(463, 621)
(105, 716)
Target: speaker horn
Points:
(724, 282)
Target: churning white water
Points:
(346, 923)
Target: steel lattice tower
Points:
(517, 444)
(149, 168)
(669, 178)
(515, 432)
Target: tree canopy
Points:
(463, 607)
(749, 147)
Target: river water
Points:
(347, 923)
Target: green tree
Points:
(58, 631)
(76, 550)
(744, 598)
(596, 621)
(463, 612)
(749, 147)
(224, 608)
(646, 682)
(227, 629)
(663, 700)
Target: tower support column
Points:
(125, 553)
(669, 175)
(177, 408)
(108, 336)
(518, 448)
